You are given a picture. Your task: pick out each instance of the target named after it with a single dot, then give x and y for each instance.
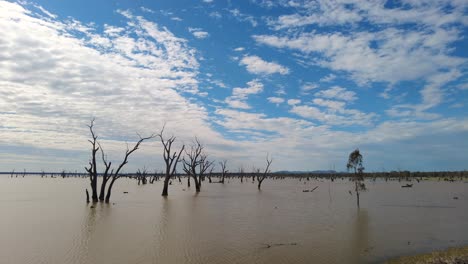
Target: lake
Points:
(46, 220)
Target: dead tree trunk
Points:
(210, 173)
(223, 170)
(171, 160)
(92, 170)
(196, 164)
(106, 176)
(87, 196)
(261, 178)
(117, 174)
(357, 193)
(241, 173)
(109, 190)
(197, 183)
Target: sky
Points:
(304, 82)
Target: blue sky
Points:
(305, 81)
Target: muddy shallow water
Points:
(46, 220)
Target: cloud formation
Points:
(319, 62)
(240, 95)
(257, 65)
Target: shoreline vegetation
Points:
(455, 255)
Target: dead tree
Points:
(262, 177)
(196, 163)
(154, 177)
(170, 159)
(241, 174)
(210, 173)
(116, 175)
(255, 173)
(106, 176)
(92, 170)
(141, 176)
(224, 171)
(112, 176)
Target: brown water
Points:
(47, 221)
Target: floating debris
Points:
(310, 190)
(279, 244)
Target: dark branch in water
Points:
(279, 244)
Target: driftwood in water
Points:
(87, 196)
(310, 190)
(279, 244)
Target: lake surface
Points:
(45, 220)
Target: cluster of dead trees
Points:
(195, 163)
(110, 174)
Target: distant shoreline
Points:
(455, 255)
(293, 174)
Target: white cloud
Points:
(198, 33)
(46, 12)
(400, 55)
(239, 49)
(112, 31)
(257, 65)
(147, 10)
(309, 86)
(330, 13)
(201, 34)
(281, 91)
(335, 114)
(275, 100)
(329, 78)
(57, 74)
(243, 17)
(240, 95)
(236, 103)
(248, 122)
(432, 95)
(337, 92)
(294, 101)
(330, 104)
(382, 45)
(63, 79)
(215, 14)
(219, 83)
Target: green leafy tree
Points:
(355, 165)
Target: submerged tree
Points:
(261, 177)
(196, 163)
(108, 174)
(355, 164)
(224, 171)
(241, 174)
(142, 176)
(170, 159)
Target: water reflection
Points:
(359, 238)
